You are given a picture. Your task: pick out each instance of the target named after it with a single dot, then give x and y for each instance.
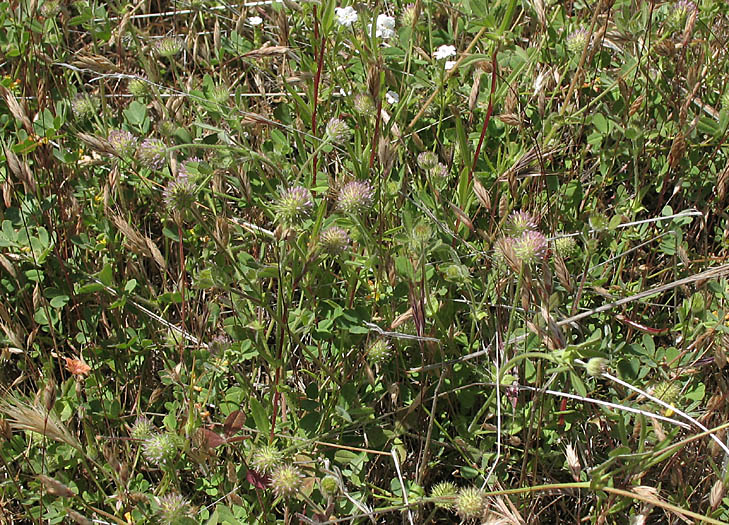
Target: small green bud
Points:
(596, 366)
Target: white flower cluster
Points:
(384, 25)
(346, 16)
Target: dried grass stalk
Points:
(33, 418)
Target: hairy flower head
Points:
(160, 449)
(364, 105)
(530, 247)
(168, 46)
(172, 508)
(578, 40)
(355, 198)
(152, 153)
(334, 240)
(179, 194)
(83, 106)
(123, 142)
(470, 502)
(286, 480)
(444, 494)
(427, 160)
(142, 428)
(338, 131)
(266, 459)
(519, 222)
(293, 205)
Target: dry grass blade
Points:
(15, 108)
(33, 418)
(267, 51)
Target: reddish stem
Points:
(182, 284)
(487, 119)
(317, 80)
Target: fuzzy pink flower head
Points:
(530, 248)
(355, 198)
(152, 153)
(293, 205)
(519, 222)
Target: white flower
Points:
(449, 64)
(255, 20)
(385, 27)
(392, 98)
(346, 16)
(444, 51)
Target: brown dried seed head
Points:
(55, 487)
(511, 119)
(716, 494)
(678, 148)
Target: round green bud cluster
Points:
(379, 351)
(160, 449)
(681, 10)
(142, 429)
(220, 94)
(138, 87)
(565, 247)
(286, 480)
(444, 495)
(470, 502)
(266, 459)
(329, 485)
(667, 391)
(427, 160)
(596, 366)
(364, 105)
